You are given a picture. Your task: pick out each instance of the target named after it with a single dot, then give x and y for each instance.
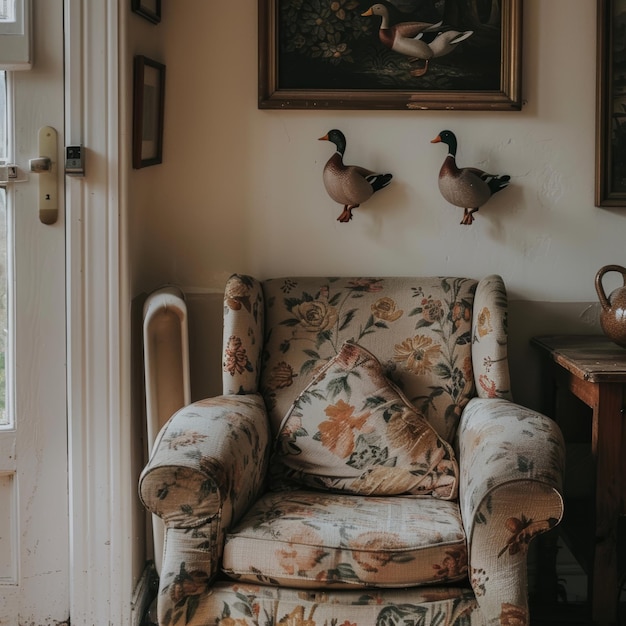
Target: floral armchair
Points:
(365, 466)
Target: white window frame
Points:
(15, 39)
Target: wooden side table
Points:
(594, 369)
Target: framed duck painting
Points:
(611, 105)
(391, 54)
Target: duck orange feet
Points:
(346, 214)
(468, 217)
(420, 71)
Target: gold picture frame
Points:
(320, 54)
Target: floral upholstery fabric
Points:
(208, 464)
(244, 315)
(489, 340)
(419, 330)
(511, 463)
(498, 442)
(308, 539)
(244, 604)
(353, 430)
(443, 343)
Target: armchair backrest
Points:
(442, 340)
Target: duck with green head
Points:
(349, 185)
(465, 187)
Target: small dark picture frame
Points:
(610, 107)
(148, 109)
(150, 9)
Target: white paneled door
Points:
(34, 545)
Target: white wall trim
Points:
(98, 310)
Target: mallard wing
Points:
(347, 185)
(465, 189)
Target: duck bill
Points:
(367, 13)
(437, 139)
(324, 138)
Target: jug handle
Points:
(604, 301)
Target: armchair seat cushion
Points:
(308, 539)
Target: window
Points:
(15, 45)
(7, 10)
(4, 257)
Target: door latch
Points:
(11, 173)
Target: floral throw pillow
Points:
(352, 430)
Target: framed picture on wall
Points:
(611, 105)
(148, 111)
(150, 9)
(396, 54)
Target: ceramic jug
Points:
(613, 314)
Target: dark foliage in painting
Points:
(618, 138)
(331, 44)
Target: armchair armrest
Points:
(511, 462)
(209, 460)
(207, 466)
(500, 443)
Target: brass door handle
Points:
(45, 168)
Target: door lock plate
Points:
(45, 167)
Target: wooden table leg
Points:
(607, 430)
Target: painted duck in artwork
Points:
(465, 187)
(349, 185)
(446, 41)
(408, 38)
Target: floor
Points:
(574, 613)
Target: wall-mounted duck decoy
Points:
(349, 185)
(408, 38)
(465, 187)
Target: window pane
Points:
(4, 326)
(4, 417)
(7, 10)
(3, 115)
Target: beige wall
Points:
(240, 189)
